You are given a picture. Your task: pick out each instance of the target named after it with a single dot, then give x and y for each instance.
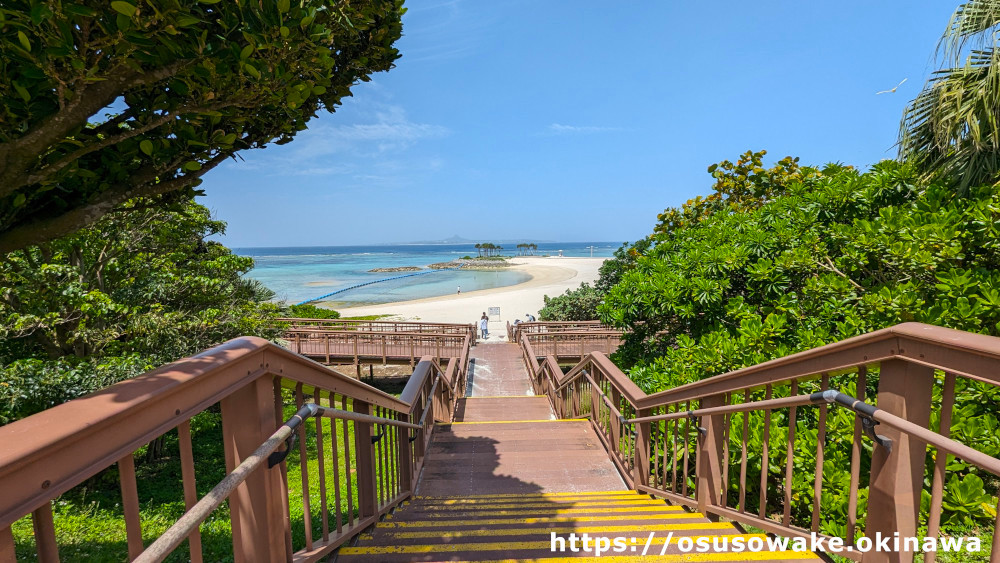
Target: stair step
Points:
(542, 551)
(538, 520)
(679, 529)
(596, 504)
(563, 495)
(448, 516)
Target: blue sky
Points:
(579, 121)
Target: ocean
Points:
(297, 274)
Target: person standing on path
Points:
(459, 290)
(484, 326)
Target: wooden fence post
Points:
(367, 501)
(255, 507)
(709, 469)
(640, 471)
(897, 477)
(405, 456)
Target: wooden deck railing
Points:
(572, 345)
(514, 331)
(369, 461)
(360, 346)
(682, 443)
(380, 326)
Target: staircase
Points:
(522, 527)
(507, 480)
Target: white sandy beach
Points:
(549, 276)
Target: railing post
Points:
(904, 389)
(255, 507)
(367, 501)
(640, 471)
(709, 469)
(405, 456)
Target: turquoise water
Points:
(298, 274)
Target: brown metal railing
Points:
(681, 443)
(572, 345)
(514, 331)
(380, 326)
(363, 464)
(362, 346)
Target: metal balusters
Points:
(335, 455)
(347, 464)
(743, 459)
(820, 446)
(279, 407)
(852, 493)
(130, 505)
(786, 518)
(687, 433)
(188, 482)
(45, 534)
(673, 454)
(765, 461)
(321, 471)
(727, 421)
(304, 471)
(940, 463)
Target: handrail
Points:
(179, 531)
(48, 453)
(906, 355)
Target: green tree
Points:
(102, 103)
(135, 290)
(830, 254)
(578, 304)
(952, 129)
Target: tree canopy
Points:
(102, 103)
(139, 288)
(952, 129)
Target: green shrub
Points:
(309, 311)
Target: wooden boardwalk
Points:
(506, 474)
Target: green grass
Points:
(89, 520)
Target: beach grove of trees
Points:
(101, 103)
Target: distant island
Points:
(455, 239)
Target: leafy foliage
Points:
(578, 304)
(309, 311)
(136, 290)
(787, 260)
(190, 83)
(951, 131)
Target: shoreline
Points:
(550, 276)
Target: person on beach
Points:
(459, 290)
(531, 318)
(484, 325)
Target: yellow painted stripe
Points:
(677, 558)
(596, 504)
(514, 421)
(506, 397)
(530, 495)
(640, 542)
(555, 511)
(454, 534)
(543, 520)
